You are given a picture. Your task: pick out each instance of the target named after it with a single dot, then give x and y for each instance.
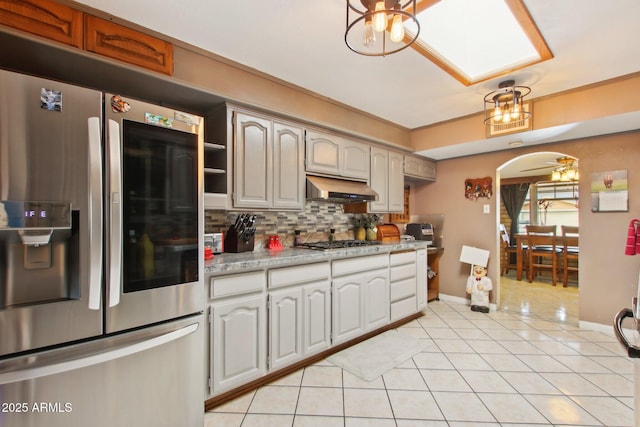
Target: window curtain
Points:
(513, 197)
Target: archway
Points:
(537, 298)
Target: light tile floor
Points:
(505, 368)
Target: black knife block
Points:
(234, 243)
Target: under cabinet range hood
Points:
(338, 190)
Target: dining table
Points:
(521, 242)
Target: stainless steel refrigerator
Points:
(101, 220)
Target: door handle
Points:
(95, 213)
(71, 362)
(632, 350)
(115, 216)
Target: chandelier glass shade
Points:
(566, 171)
(376, 27)
(506, 105)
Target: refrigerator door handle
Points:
(95, 213)
(632, 350)
(67, 363)
(115, 216)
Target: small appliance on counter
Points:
(215, 242)
(421, 231)
(388, 233)
(241, 235)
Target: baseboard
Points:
(605, 329)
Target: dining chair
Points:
(570, 251)
(542, 246)
(508, 252)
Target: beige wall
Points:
(613, 97)
(608, 278)
(241, 85)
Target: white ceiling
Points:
(302, 42)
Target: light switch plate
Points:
(486, 209)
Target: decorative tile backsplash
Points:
(314, 223)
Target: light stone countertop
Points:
(245, 261)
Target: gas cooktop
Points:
(338, 244)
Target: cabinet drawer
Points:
(403, 272)
(402, 258)
(403, 308)
(360, 264)
(297, 275)
(237, 284)
(403, 289)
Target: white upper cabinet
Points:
(333, 155)
(355, 157)
(323, 153)
(269, 163)
(288, 166)
(253, 147)
(387, 179)
(396, 182)
(379, 179)
(421, 168)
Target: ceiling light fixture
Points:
(369, 19)
(567, 171)
(506, 106)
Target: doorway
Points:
(547, 202)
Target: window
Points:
(556, 203)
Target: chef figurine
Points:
(479, 285)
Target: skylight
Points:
(477, 40)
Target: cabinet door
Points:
(396, 182)
(379, 179)
(288, 166)
(355, 159)
(238, 341)
(285, 327)
(412, 166)
(420, 168)
(376, 299)
(323, 153)
(125, 44)
(348, 318)
(428, 169)
(253, 166)
(44, 18)
(317, 317)
(421, 279)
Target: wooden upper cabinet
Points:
(124, 44)
(44, 18)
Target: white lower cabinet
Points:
(238, 341)
(316, 309)
(299, 313)
(376, 299)
(403, 284)
(285, 327)
(348, 317)
(263, 321)
(360, 297)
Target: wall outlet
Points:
(486, 208)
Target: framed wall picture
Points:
(610, 191)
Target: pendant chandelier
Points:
(506, 106)
(566, 171)
(376, 27)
